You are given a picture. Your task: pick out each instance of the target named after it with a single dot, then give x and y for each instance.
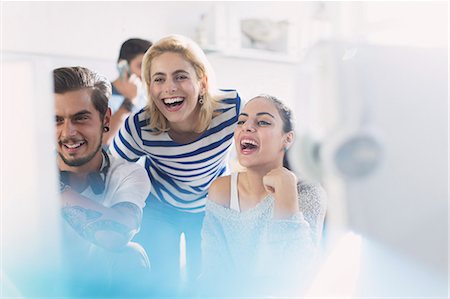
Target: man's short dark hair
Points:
(133, 47)
(76, 78)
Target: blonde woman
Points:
(185, 134)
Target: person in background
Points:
(101, 197)
(263, 225)
(185, 134)
(127, 92)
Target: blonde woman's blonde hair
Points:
(197, 58)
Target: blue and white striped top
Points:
(181, 173)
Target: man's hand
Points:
(129, 87)
(282, 183)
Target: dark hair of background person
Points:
(76, 78)
(132, 48)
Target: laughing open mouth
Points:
(173, 102)
(248, 144)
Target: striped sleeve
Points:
(125, 145)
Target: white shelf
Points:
(254, 54)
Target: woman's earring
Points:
(200, 99)
(106, 129)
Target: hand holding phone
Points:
(124, 70)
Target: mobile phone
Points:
(123, 68)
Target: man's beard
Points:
(84, 160)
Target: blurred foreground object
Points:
(377, 140)
(30, 219)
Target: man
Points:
(128, 95)
(102, 197)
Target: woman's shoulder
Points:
(310, 188)
(227, 102)
(228, 97)
(139, 120)
(312, 194)
(219, 191)
(227, 94)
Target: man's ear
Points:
(107, 118)
(288, 139)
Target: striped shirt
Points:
(181, 173)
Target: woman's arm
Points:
(214, 253)
(292, 238)
(216, 259)
(282, 184)
(127, 144)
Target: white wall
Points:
(91, 29)
(90, 34)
